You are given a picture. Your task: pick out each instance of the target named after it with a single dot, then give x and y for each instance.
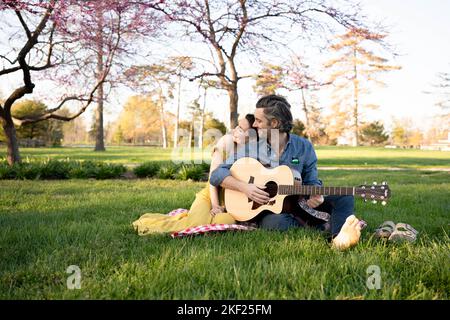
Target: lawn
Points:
(363, 157)
(50, 225)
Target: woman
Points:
(208, 206)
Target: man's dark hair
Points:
(277, 107)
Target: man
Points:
(277, 146)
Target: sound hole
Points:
(271, 188)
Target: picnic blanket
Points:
(206, 228)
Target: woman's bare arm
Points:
(216, 160)
(225, 144)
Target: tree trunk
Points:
(233, 95)
(163, 124)
(202, 121)
(164, 134)
(191, 129)
(12, 144)
(177, 124)
(99, 134)
(305, 108)
(355, 96)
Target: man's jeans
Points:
(339, 207)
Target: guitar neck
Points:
(315, 190)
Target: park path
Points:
(446, 169)
(360, 168)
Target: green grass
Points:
(328, 156)
(112, 154)
(367, 157)
(47, 226)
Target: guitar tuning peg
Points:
(374, 201)
(384, 183)
(383, 203)
(374, 183)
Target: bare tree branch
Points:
(24, 25)
(28, 84)
(50, 114)
(6, 58)
(210, 74)
(10, 70)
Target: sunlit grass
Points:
(363, 157)
(50, 225)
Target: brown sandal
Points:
(385, 230)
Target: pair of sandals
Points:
(399, 232)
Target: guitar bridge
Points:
(257, 205)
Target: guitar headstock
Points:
(374, 192)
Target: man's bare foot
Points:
(349, 234)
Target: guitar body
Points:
(285, 189)
(251, 171)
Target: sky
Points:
(420, 32)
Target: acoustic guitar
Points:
(282, 183)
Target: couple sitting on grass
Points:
(272, 112)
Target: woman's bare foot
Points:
(349, 234)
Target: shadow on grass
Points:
(47, 226)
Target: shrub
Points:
(20, 171)
(205, 166)
(192, 172)
(6, 171)
(83, 170)
(109, 171)
(167, 171)
(96, 170)
(54, 169)
(28, 171)
(147, 169)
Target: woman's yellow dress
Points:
(198, 214)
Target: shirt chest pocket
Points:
(297, 167)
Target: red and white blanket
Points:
(206, 228)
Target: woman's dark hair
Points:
(277, 107)
(250, 118)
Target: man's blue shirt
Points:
(299, 154)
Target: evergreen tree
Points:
(373, 134)
(354, 68)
